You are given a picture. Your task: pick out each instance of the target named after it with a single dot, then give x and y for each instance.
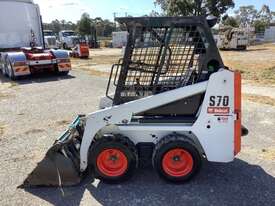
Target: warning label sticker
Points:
(218, 110)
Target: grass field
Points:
(257, 64)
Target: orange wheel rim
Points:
(112, 162)
(177, 162)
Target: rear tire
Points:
(176, 158)
(4, 70)
(65, 46)
(64, 73)
(113, 158)
(242, 48)
(9, 70)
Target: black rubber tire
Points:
(65, 46)
(11, 75)
(242, 48)
(117, 142)
(4, 71)
(171, 142)
(65, 73)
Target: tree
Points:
(56, 26)
(260, 26)
(195, 7)
(103, 27)
(249, 16)
(265, 14)
(84, 26)
(246, 14)
(264, 18)
(230, 21)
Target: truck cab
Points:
(22, 49)
(68, 39)
(50, 39)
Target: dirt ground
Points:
(257, 63)
(35, 110)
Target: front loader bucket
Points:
(60, 166)
(54, 170)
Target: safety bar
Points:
(117, 66)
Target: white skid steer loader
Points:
(175, 103)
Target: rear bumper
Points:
(22, 70)
(62, 67)
(42, 62)
(39, 66)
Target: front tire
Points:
(113, 158)
(176, 159)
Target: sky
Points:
(71, 10)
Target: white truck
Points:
(119, 39)
(50, 39)
(68, 39)
(22, 49)
(232, 38)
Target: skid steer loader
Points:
(175, 103)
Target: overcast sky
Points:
(71, 10)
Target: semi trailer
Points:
(22, 46)
(230, 38)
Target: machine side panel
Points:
(215, 125)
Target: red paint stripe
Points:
(238, 112)
(21, 69)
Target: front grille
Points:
(51, 41)
(75, 41)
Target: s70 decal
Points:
(219, 101)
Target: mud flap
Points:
(60, 166)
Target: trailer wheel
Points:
(9, 70)
(176, 158)
(113, 158)
(63, 73)
(5, 67)
(4, 70)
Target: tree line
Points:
(250, 16)
(195, 7)
(244, 16)
(85, 26)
